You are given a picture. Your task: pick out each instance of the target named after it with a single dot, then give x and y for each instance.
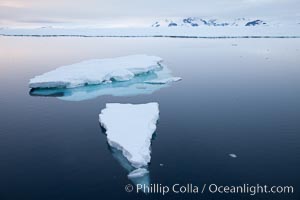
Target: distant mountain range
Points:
(196, 22)
(174, 27)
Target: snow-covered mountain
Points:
(196, 22)
(184, 27)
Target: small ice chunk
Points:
(140, 172)
(161, 164)
(129, 128)
(144, 179)
(233, 155)
(97, 71)
(164, 81)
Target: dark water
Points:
(242, 99)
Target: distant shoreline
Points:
(157, 36)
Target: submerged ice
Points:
(135, 175)
(129, 128)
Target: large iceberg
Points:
(97, 71)
(129, 128)
(141, 84)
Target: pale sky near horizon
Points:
(135, 11)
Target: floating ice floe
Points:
(122, 83)
(97, 71)
(129, 128)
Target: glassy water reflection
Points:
(238, 99)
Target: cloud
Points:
(107, 10)
(12, 4)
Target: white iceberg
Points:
(129, 128)
(97, 71)
(143, 84)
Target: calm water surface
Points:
(239, 96)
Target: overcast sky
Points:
(135, 11)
